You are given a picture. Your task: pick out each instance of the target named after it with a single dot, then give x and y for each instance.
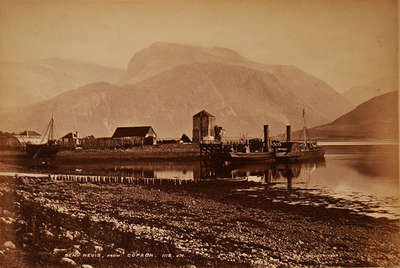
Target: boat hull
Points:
(252, 157)
(41, 150)
(301, 155)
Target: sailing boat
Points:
(310, 149)
(294, 150)
(45, 148)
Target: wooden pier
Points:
(212, 151)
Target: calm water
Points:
(363, 178)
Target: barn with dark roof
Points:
(144, 135)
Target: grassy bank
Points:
(206, 224)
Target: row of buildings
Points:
(125, 137)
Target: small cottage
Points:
(203, 126)
(136, 135)
(71, 139)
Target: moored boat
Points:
(290, 151)
(252, 156)
(297, 150)
(45, 148)
(42, 150)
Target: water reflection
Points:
(333, 182)
(360, 177)
(275, 172)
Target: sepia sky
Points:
(344, 42)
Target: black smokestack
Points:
(288, 132)
(266, 143)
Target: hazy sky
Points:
(344, 42)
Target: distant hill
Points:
(166, 84)
(374, 119)
(360, 94)
(374, 88)
(28, 83)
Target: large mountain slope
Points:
(374, 119)
(166, 84)
(162, 56)
(28, 83)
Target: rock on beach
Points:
(9, 244)
(68, 261)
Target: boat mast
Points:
(49, 132)
(304, 128)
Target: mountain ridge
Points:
(243, 95)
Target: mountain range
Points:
(166, 84)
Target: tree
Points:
(185, 138)
(218, 133)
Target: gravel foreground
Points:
(44, 223)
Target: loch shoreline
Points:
(206, 224)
